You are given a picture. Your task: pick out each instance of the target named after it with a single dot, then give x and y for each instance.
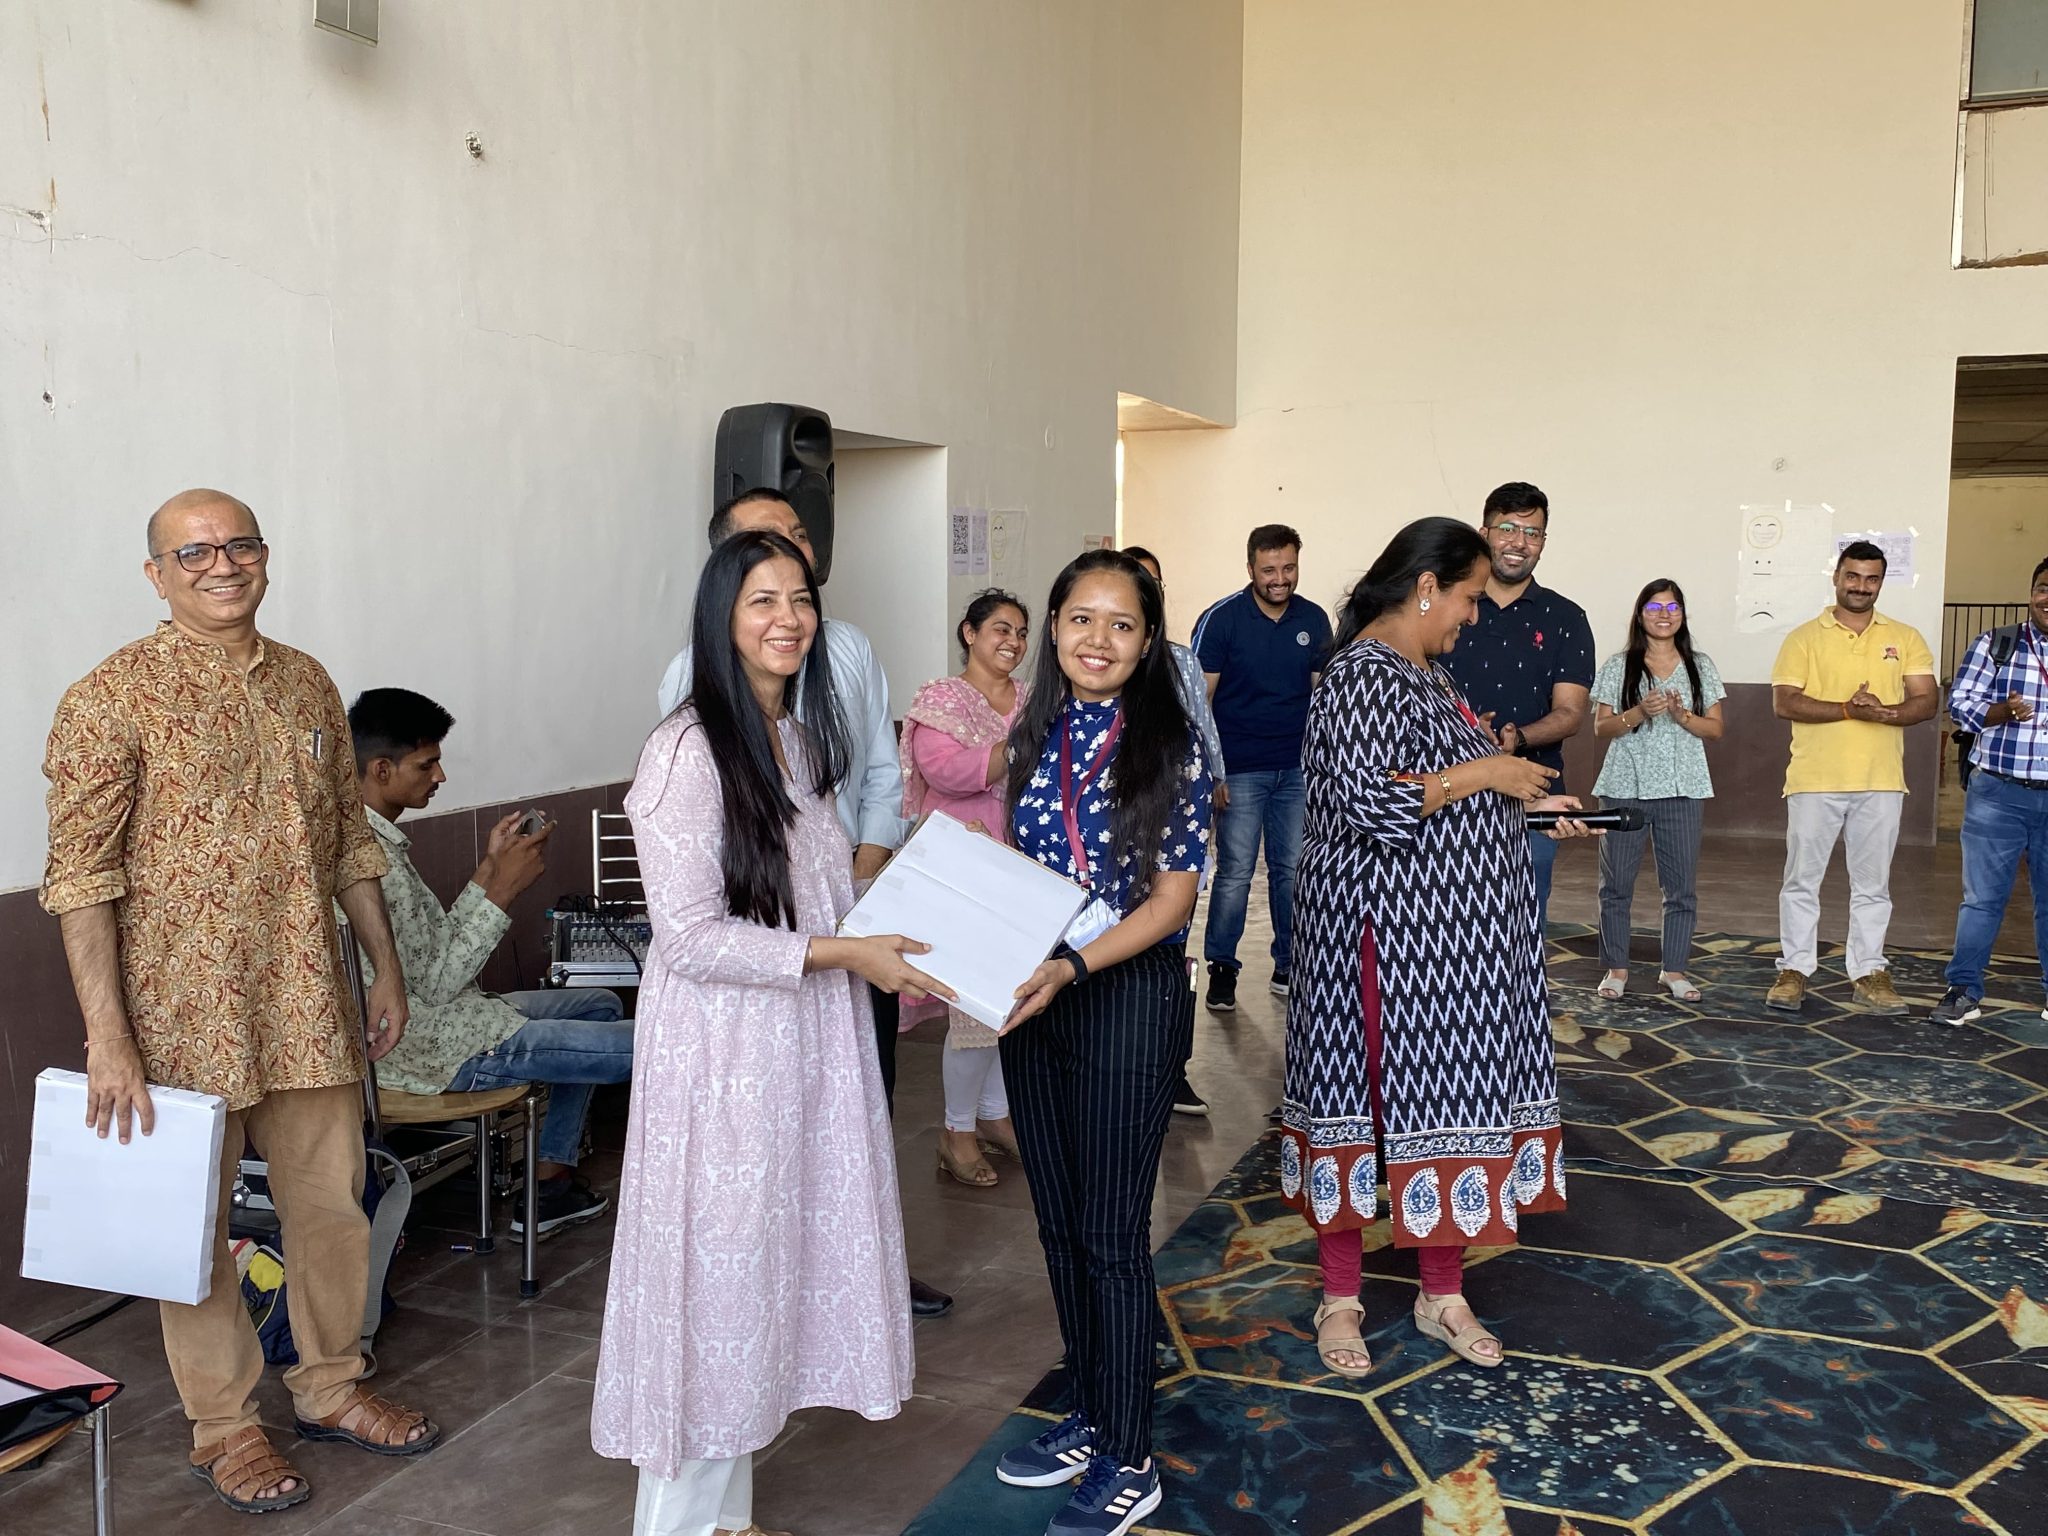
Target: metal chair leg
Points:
(529, 1271)
(484, 1241)
(103, 1471)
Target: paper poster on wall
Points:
(977, 541)
(1898, 553)
(1784, 552)
(1006, 549)
(958, 540)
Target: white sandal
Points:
(1680, 986)
(1611, 987)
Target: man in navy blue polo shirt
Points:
(1527, 665)
(1261, 651)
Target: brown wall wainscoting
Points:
(44, 1030)
(1748, 765)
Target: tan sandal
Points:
(749, 1530)
(1429, 1314)
(1001, 1146)
(975, 1175)
(249, 1464)
(376, 1421)
(1354, 1345)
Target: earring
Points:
(1423, 606)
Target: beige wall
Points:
(473, 399)
(1662, 261)
(1998, 533)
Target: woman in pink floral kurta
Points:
(759, 1264)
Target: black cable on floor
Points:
(69, 1329)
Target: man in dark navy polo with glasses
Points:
(1527, 665)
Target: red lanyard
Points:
(1071, 793)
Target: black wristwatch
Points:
(1072, 956)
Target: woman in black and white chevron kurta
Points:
(1418, 1024)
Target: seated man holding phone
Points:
(462, 1038)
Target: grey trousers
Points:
(1674, 830)
(1867, 824)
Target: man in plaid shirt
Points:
(1998, 694)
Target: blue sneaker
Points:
(1059, 1455)
(1110, 1500)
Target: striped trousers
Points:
(1091, 1085)
(1674, 828)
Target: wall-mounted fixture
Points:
(351, 18)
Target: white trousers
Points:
(974, 1085)
(705, 1498)
(1867, 824)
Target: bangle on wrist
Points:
(1845, 710)
(1444, 778)
(126, 1034)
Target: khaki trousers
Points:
(313, 1140)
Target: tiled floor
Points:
(511, 1380)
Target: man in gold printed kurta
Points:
(218, 810)
(203, 820)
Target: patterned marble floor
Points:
(1801, 1290)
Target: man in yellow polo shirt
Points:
(1850, 682)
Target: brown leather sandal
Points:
(249, 1464)
(377, 1419)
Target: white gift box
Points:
(136, 1219)
(990, 913)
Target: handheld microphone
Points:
(1621, 819)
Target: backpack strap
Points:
(2004, 641)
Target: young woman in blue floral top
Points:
(1107, 786)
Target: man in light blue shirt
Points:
(870, 798)
(1194, 698)
(2001, 697)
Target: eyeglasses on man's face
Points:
(1651, 610)
(199, 557)
(1508, 532)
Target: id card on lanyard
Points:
(1097, 917)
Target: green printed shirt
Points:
(1659, 760)
(441, 950)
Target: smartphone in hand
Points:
(531, 823)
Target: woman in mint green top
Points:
(1657, 705)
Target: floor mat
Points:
(1801, 1290)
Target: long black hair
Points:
(1152, 749)
(758, 809)
(1444, 547)
(1636, 664)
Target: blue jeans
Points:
(1270, 803)
(573, 1039)
(1542, 854)
(2001, 821)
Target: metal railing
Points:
(1962, 623)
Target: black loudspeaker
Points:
(788, 448)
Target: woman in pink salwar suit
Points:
(759, 1264)
(955, 759)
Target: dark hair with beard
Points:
(1442, 546)
(758, 810)
(1635, 665)
(1515, 496)
(1151, 751)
